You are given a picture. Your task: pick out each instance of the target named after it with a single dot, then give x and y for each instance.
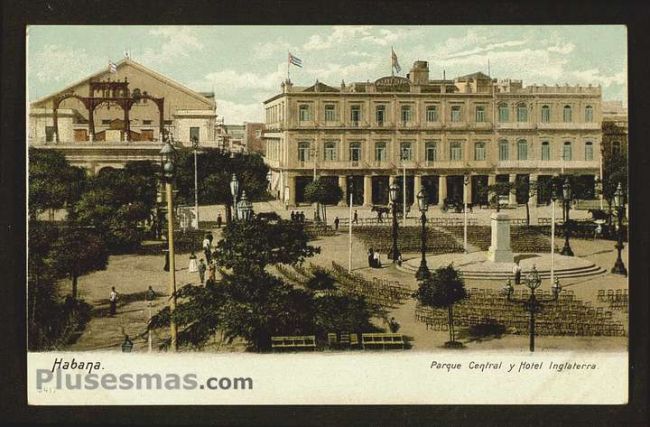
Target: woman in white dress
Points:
(193, 266)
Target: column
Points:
(442, 189)
(290, 190)
(467, 190)
(533, 178)
(367, 190)
(512, 196)
(417, 186)
(343, 187)
(492, 179)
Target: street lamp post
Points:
(244, 207)
(195, 147)
(566, 193)
(351, 190)
(167, 154)
(532, 304)
(234, 191)
(465, 183)
(423, 205)
(553, 199)
(619, 202)
(394, 190)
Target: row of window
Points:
(406, 113)
(305, 151)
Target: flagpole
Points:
(288, 63)
(392, 66)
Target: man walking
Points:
(355, 218)
(112, 299)
(206, 248)
(336, 223)
(219, 220)
(202, 267)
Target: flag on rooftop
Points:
(295, 60)
(112, 67)
(395, 63)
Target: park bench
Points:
(294, 343)
(382, 340)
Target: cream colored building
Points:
(365, 135)
(110, 118)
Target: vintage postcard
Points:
(327, 215)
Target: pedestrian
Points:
(293, 216)
(166, 266)
(379, 216)
(302, 216)
(376, 259)
(192, 267)
(598, 231)
(399, 260)
(336, 223)
(112, 299)
(371, 256)
(393, 325)
(219, 220)
(516, 270)
(206, 248)
(150, 295)
(201, 268)
(212, 271)
(355, 217)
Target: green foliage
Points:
(214, 170)
(51, 321)
(254, 244)
(53, 183)
(615, 170)
(442, 289)
(321, 280)
(252, 305)
(324, 192)
(77, 251)
(116, 203)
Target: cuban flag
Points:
(112, 67)
(395, 63)
(295, 60)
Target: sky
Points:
(245, 65)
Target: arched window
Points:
(567, 114)
(522, 150)
(546, 114)
(567, 153)
(432, 151)
(503, 113)
(330, 150)
(546, 150)
(589, 151)
(522, 112)
(503, 150)
(589, 114)
(355, 152)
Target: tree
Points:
(443, 289)
(252, 245)
(76, 252)
(53, 183)
(117, 203)
(323, 192)
(214, 171)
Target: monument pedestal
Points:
(500, 244)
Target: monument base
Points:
(500, 255)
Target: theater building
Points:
(118, 115)
(366, 135)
